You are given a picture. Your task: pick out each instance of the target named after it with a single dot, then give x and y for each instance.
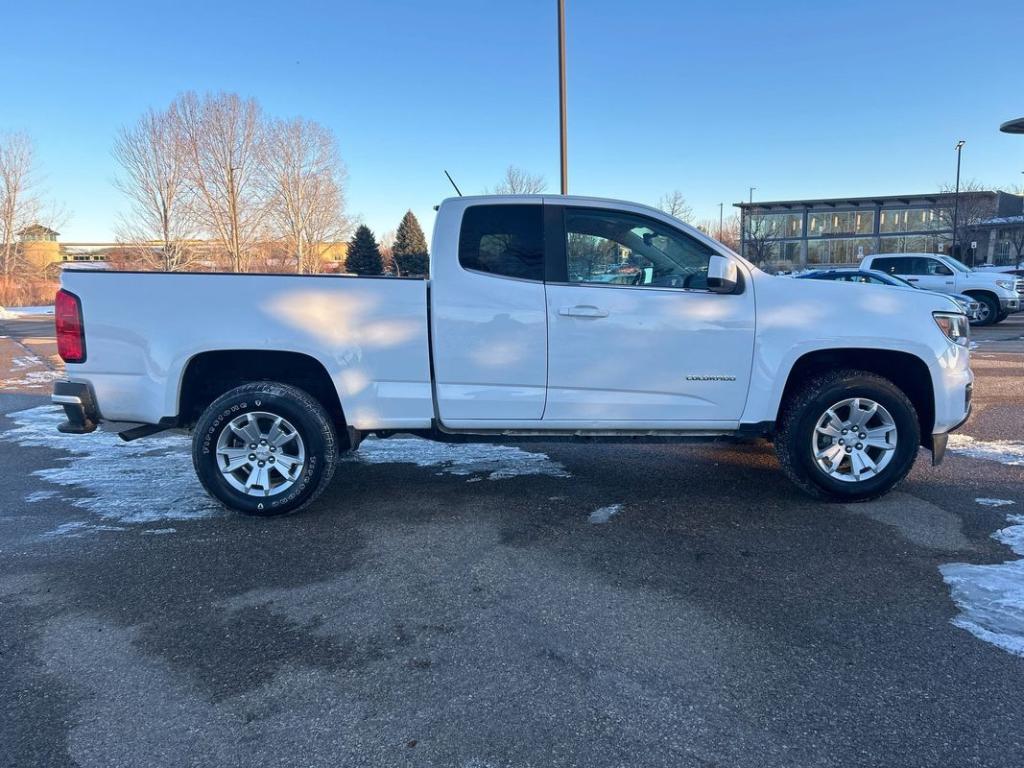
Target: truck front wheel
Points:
(848, 436)
(265, 449)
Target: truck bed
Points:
(143, 328)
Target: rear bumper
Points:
(79, 406)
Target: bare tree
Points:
(759, 241)
(674, 204)
(728, 233)
(305, 190)
(224, 141)
(974, 207)
(19, 203)
(154, 156)
(519, 182)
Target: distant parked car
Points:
(1000, 295)
(970, 306)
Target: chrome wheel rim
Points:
(260, 454)
(854, 440)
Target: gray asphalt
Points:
(418, 617)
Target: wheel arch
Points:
(907, 371)
(209, 374)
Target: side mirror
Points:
(723, 274)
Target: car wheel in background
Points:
(847, 436)
(989, 311)
(265, 449)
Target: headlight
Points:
(1006, 285)
(954, 326)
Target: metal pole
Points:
(720, 229)
(752, 194)
(561, 96)
(956, 197)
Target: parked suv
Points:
(1000, 295)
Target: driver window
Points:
(610, 248)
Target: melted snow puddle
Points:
(991, 597)
(604, 514)
(146, 481)
(1009, 452)
(496, 462)
(77, 529)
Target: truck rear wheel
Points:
(265, 449)
(848, 436)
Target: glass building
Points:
(796, 234)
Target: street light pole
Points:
(956, 197)
(561, 96)
(752, 194)
(720, 229)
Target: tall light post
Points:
(751, 200)
(721, 230)
(561, 96)
(956, 197)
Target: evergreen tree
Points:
(363, 256)
(410, 248)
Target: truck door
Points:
(634, 336)
(488, 312)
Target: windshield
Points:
(959, 266)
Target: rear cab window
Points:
(503, 240)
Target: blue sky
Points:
(800, 99)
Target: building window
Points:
(775, 225)
(911, 244)
(910, 220)
(839, 250)
(840, 223)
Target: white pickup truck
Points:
(544, 318)
(1000, 295)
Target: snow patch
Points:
(139, 482)
(37, 496)
(1009, 452)
(496, 462)
(604, 514)
(160, 531)
(78, 528)
(31, 372)
(991, 597)
(994, 502)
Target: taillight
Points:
(70, 329)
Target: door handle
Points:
(583, 310)
(912, 279)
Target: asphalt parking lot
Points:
(535, 605)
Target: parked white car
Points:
(518, 334)
(1000, 295)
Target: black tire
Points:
(1002, 316)
(989, 309)
(800, 414)
(312, 424)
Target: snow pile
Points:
(1009, 452)
(496, 462)
(994, 502)
(140, 482)
(991, 597)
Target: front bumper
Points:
(79, 407)
(940, 439)
(1009, 305)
